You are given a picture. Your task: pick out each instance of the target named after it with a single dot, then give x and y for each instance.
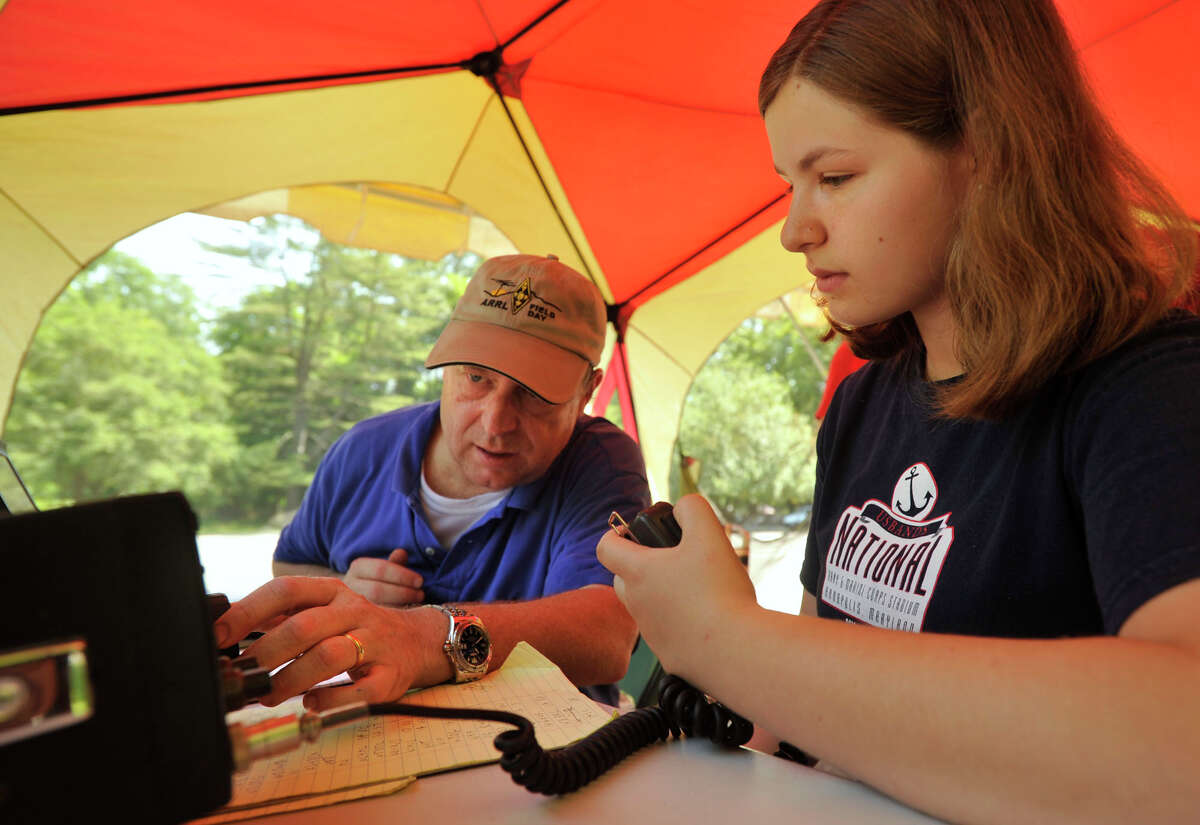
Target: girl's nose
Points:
(801, 231)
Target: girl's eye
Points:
(834, 180)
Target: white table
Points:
(689, 781)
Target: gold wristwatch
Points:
(467, 644)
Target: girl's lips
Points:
(828, 280)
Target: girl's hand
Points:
(680, 596)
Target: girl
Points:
(1013, 475)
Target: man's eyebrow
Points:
(813, 156)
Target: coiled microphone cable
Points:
(682, 710)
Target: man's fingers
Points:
(377, 684)
(391, 595)
(384, 570)
(327, 658)
(327, 698)
(398, 556)
(277, 597)
(336, 696)
(400, 575)
(385, 582)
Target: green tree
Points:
(781, 346)
(118, 394)
(342, 336)
(754, 448)
(748, 417)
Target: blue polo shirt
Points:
(539, 540)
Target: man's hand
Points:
(306, 620)
(385, 581)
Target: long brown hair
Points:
(1055, 261)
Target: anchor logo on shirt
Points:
(916, 497)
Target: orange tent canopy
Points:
(625, 138)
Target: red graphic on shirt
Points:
(881, 566)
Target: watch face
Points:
(474, 645)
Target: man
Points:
(487, 504)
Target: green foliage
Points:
(778, 345)
(118, 394)
(127, 390)
(748, 418)
(341, 337)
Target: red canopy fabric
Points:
(657, 95)
(637, 119)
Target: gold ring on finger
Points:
(360, 652)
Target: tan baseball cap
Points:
(531, 318)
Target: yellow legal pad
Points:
(382, 754)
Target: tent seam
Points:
(1130, 25)
(41, 227)
(695, 254)
(646, 337)
(648, 99)
(466, 146)
(545, 187)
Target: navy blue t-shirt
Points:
(365, 500)
(1060, 520)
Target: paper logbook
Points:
(381, 754)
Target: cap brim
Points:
(547, 370)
